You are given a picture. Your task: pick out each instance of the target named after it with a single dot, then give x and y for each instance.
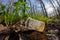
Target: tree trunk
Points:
(44, 9)
(56, 12)
(24, 7)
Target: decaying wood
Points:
(2, 27)
(37, 36)
(33, 24)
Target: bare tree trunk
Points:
(58, 9)
(57, 2)
(56, 12)
(30, 6)
(43, 8)
(24, 7)
(10, 6)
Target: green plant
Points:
(25, 16)
(41, 18)
(11, 18)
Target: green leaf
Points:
(24, 3)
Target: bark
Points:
(58, 7)
(24, 6)
(56, 12)
(43, 8)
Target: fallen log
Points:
(32, 24)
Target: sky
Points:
(6, 1)
(48, 6)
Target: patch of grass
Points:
(42, 18)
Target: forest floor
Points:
(51, 26)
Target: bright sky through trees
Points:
(48, 6)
